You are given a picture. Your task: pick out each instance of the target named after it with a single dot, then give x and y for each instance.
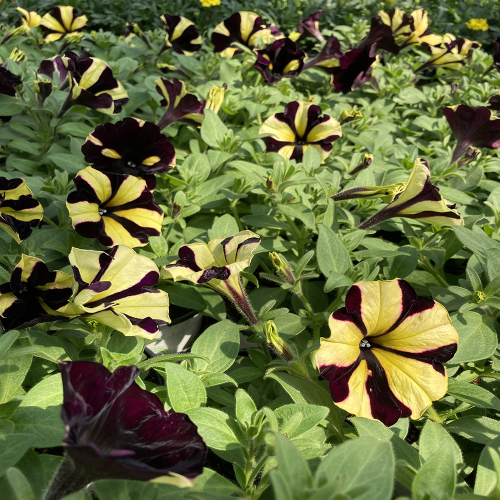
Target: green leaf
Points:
(52, 348)
(25, 146)
(363, 462)
(6, 340)
(19, 485)
(432, 437)
(289, 325)
(473, 394)
(212, 129)
(401, 265)
(437, 477)
(336, 280)
(212, 482)
(185, 390)
(223, 227)
(477, 429)
(159, 245)
(299, 211)
(66, 162)
(487, 475)
(477, 337)
(113, 489)
(217, 378)
(220, 343)
(12, 373)
(331, 253)
(10, 105)
(186, 296)
(12, 448)
(312, 415)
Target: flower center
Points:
(131, 164)
(102, 211)
(364, 344)
(300, 142)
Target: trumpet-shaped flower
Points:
(309, 27)
(302, 125)
(30, 19)
(181, 35)
(19, 211)
(472, 127)
(243, 27)
(217, 265)
(93, 85)
(419, 200)
(451, 53)
(62, 22)
(116, 209)
(180, 104)
(55, 65)
(33, 295)
(116, 430)
(7, 83)
(384, 357)
(280, 59)
(113, 291)
(132, 147)
(329, 57)
(385, 193)
(356, 67)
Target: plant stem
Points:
(316, 332)
(236, 215)
(296, 233)
(303, 299)
(434, 272)
(433, 415)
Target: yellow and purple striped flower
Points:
(302, 125)
(181, 35)
(384, 358)
(62, 22)
(116, 209)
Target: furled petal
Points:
(446, 55)
(31, 19)
(386, 193)
(309, 27)
(7, 83)
(384, 357)
(329, 57)
(472, 127)
(55, 65)
(381, 34)
(181, 35)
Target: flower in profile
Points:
(477, 24)
(33, 295)
(381, 34)
(7, 83)
(181, 35)
(385, 193)
(116, 209)
(180, 104)
(61, 22)
(209, 3)
(472, 127)
(300, 126)
(217, 265)
(93, 85)
(356, 67)
(113, 291)
(130, 146)
(116, 430)
(419, 34)
(309, 27)
(19, 211)
(419, 200)
(329, 57)
(280, 59)
(384, 358)
(55, 66)
(30, 19)
(243, 27)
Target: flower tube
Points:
(309, 27)
(116, 430)
(302, 125)
(217, 265)
(62, 22)
(384, 358)
(329, 57)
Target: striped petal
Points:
(181, 35)
(117, 209)
(61, 21)
(384, 357)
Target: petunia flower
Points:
(300, 126)
(217, 265)
(384, 357)
(309, 27)
(243, 27)
(56, 65)
(496, 53)
(130, 146)
(30, 20)
(385, 193)
(93, 85)
(280, 59)
(356, 67)
(181, 35)
(472, 127)
(180, 104)
(61, 22)
(33, 295)
(116, 209)
(19, 211)
(113, 291)
(328, 58)
(382, 35)
(419, 200)
(116, 430)
(7, 83)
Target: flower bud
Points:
(215, 98)
(43, 88)
(271, 186)
(386, 193)
(276, 343)
(469, 156)
(367, 161)
(176, 210)
(18, 55)
(282, 268)
(349, 115)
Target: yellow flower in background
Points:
(209, 3)
(478, 24)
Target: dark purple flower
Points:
(181, 35)
(56, 65)
(329, 57)
(381, 34)
(116, 430)
(280, 59)
(496, 53)
(7, 83)
(309, 27)
(495, 102)
(356, 67)
(472, 127)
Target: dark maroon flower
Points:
(181, 35)
(309, 27)
(356, 67)
(56, 65)
(280, 59)
(472, 127)
(495, 102)
(7, 83)
(329, 57)
(131, 146)
(116, 430)
(381, 34)
(496, 53)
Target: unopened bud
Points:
(176, 210)
(18, 55)
(215, 98)
(479, 296)
(275, 342)
(367, 161)
(282, 268)
(43, 88)
(349, 115)
(469, 156)
(271, 186)
(386, 193)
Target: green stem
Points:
(304, 301)
(296, 233)
(48, 221)
(434, 416)
(316, 332)
(236, 215)
(337, 300)
(432, 270)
